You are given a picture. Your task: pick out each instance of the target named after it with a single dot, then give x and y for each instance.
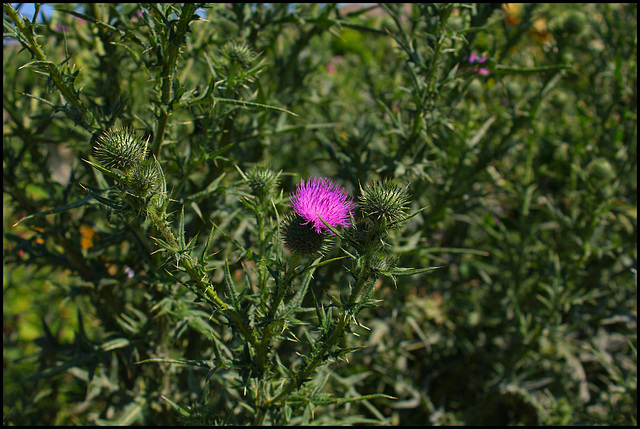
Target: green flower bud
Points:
(301, 237)
(262, 180)
(144, 178)
(601, 170)
(121, 149)
(238, 52)
(384, 203)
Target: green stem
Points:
(262, 269)
(318, 357)
(204, 283)
(284, 284)
(56, 76)
(166, 76)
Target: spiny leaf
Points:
(231, 287)
(178, 408)
(247, 104)
(88, 200)
(399, 271)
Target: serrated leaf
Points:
(501, 69)
(36, 64)
(164, 245)
(122, 32)
(248, 104)
(399, 271)
(178, 408)
(297, 299)
(232, 240)
(114, 344)
(119, 177)
(231, 288)
(322, 316)
(205, 254)
(181, 242)
(85, 201)
(186, 362)
(96, 194)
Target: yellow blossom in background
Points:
(513, 13)
(86, 236)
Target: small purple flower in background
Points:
(322, 198)
(333, 62)
(476, 59)
(129, 272)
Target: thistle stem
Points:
(283, 285)
(204, 283)
(317, 358)
(54, 73)
(166, 76)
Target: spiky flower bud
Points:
(301, 237)
(238, 52)
(262, 180)
(144, 178)
(120, 148)
(601, 170)
(384, 203)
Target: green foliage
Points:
(149, 151)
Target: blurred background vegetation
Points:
(526, 161)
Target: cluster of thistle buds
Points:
(123, 155)
(320, 206)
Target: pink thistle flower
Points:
(322, 198)
(473, 58)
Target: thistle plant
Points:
(265, 185)
(319, 206)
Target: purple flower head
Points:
(479, 60)
(322, 198)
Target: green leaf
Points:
(88, 200)
(97, 194)
(302, 291)
(181, 242)
(249, 104)
(178, 408)
(132, 413)
(185, 362)
(122, 32)
(232, 240)
(116, 343)
(231, 287)
(114, 174)
(500, 69)
(38, 65)
(398, 271)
